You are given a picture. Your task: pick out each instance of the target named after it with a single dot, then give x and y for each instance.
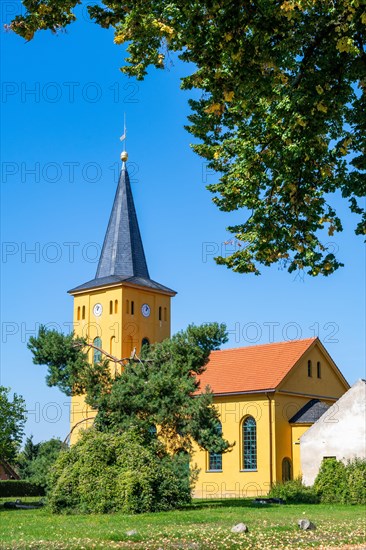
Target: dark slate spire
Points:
(123, 253)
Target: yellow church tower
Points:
(121, 309)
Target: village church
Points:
(267, 395)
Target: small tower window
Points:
(318, 370)
(165, 314)
(310, 369)
(83, 313)
(111, 345)
(127, 306)
(115, 306)
(78, 314)
(110, 307)
(132, 307)
(160, 313)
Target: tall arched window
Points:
(115, 306)
(83, 312)
(127, 306)
(111, 345)
(215, 459)
(249, 444)
(110, 307)
(97, 357)
(78, 314)
(160, 314)
(286, 469)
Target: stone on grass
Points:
(131, 533)
(239, 528)
(306, 525)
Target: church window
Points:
(215, 459)
(127, 306)
(318, 370)
(165, 314)
(160, 314)
(310, 369)
(78, 314)
(249, 444)
(145, 342)
(111, 344)
(97, 353)
(132, 307)
(286, 469)
(110, 307)
(83, 312)
(115, 306)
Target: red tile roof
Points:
(253, 368)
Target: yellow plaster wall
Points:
(297, 430)
(233, 481)
(120, 332)
(329, 385)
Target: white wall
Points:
(340, 432)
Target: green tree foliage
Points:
(12, 420)
(63, 356)
(108, 472)
(158, 390)
(281, 117)
(36, 460)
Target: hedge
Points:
(19, 488)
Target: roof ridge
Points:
(267, 344)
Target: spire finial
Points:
(124, 154)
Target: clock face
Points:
(97, 310)
(145, 310)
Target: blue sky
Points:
(63, 100)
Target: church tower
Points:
(122, 308)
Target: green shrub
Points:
(19, 488)
(337, 482)
(356, 481)
(106, 472)
(331, 481)
(294, 492)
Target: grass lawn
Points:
(205, 524)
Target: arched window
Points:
(160, 314)
(286, 469)
(145, 342)
(110, 307)
(310, 369)
(115, 306)
(318, 370)
(165, 314)
(127, 306)
(132, 307)
(111, 345)
(83, 313)
(215, 459)
(78, 314)
(249, 444)
(97, 357)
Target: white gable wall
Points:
(339, 433)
